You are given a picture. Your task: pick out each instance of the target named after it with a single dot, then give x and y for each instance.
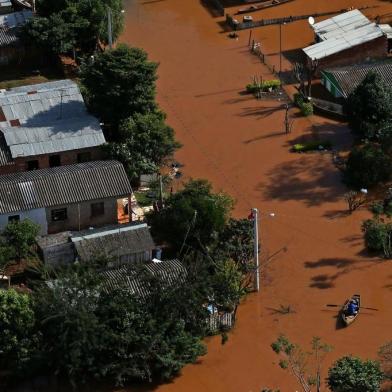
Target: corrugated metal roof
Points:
(387, 30)
(9, 27)
(52, 118)
(63, 185)
(170, 273)
(5, 155)
(350, 77)
(341, 24)
(113, 241)
(337, 44)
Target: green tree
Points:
(367, 166)
(351, 374)
(195, 215)
(145, 142)
(369, 106)
(118, 84)
(18, 341)
(20, 237)
(67, 24)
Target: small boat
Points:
(349, 319)
(265, 4)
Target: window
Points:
(54, 160)
(32, 165)
(84, 157)
(97, 209)
(59, 215)
(14, 218)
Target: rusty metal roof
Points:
(63, 185)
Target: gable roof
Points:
(47, 118)
(113, 241)
(348, 78)
(63, 185)
(170, 273)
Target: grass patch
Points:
(142, 199)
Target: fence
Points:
(236, 25)
(220, 321)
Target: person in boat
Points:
(352, 308)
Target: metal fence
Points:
(220, 321)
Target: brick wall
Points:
(360, 53)
(66, 158)
(86, 220)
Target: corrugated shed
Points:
(63, 185)
(47, 118)
(340, 25)
(113, 241)
(340, 43)
(170, 273)
(348, 78)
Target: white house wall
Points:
(38, 216)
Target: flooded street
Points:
(315, 252)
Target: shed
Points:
(5, 7)
(56, 249)
(127, 243)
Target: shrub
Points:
(307, 108)
(312, 146)
(376, 234)
(367, 166)
(298, 99)
(266, 85)
(377, 208)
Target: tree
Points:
(145, 141)
(367, 166)
(296, 360)
(18, 340)
(67, 24)
(385, 355)
(369, 106)
(351, 374)
(20, 237)
(118, 84)
(195, 216)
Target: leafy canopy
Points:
(62, 25)
(119, 83)
(369, 106)
(194, 212)
(145, 142)
(351, 374)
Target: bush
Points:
(307, 109)
(376, 234)
(367, 166)
(377, 208)
(312, 146)
(351, 374)
(298, 99)
(253, 88)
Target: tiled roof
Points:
(63, 185)
(348, 78)
(113, 241)
(47, 118)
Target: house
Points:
(346, 39)
(5, 7)
(387, 30)
(46, 125)
(71, 197)
(11, 47)
(120, 244)
(342, 81)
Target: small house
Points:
(346, 39)
(71, 197)
(46, 125)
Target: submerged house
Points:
(46, 125)
(12, 48)
(342, 81)
(346, 39)
(71, 197)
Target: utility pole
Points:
(255, 214)
(110, 29)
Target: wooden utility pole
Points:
(255, 215)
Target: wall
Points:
(360, 53)
(85, 219)
(37, 216)
(67, 158)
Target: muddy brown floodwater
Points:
(238, 144)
